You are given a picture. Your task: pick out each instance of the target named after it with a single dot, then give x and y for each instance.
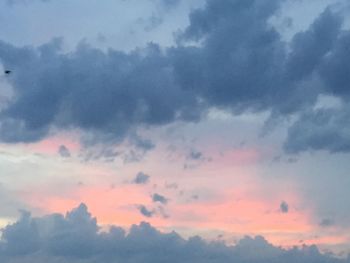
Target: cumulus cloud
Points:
(239, 62)
(76, 237)
(121, 91)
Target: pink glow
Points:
(52, 144)
(241, 157)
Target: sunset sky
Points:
(214, 118)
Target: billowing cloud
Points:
(238, 62)
(120, 90)
(76, 237)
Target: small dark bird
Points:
(7, 72)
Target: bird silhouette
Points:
(7, 72)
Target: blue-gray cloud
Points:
(239, 62)
(159, 198)
(141, 178)
(284, 207)
(322, 129)
(107, 94)
(145, 211)
(64, 151)
(76, 237)
(327, 222)
(195, 155)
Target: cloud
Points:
(284, 207)
(322, 129)
(194, 155)
(76, 237)
(229, 57)
(310, 47)
(141, 178)
(159, 198)
(145, 211)
(121, 92)
(64, 151)
(143, 144)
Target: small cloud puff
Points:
(141, 178)
(284, 207)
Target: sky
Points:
(209, 128)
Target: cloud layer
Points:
(76, 237)
(230, 57)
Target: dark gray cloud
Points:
(64, 151)
(335, 68)
(141, 178)
(159, 198)
(284, 207)
(145, 211)
(107, 94)
(242, 64)
(326, 129)
(76, 237)
(308, 48)
(238, 62)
